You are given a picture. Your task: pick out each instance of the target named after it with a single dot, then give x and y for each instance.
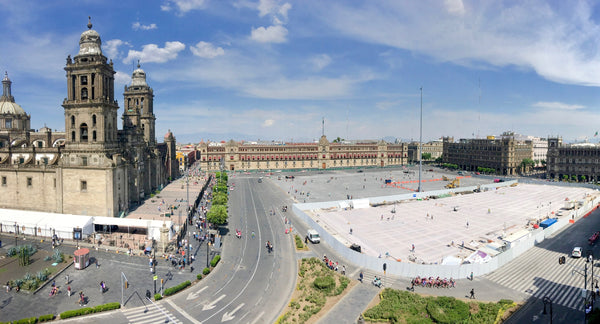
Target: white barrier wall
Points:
(406, 269)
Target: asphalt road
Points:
(250, 285)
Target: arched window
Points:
(84, 93)
(142, 103)
(93, 120)
(93, 136)
(72, 120)
(73, 136)
(83, 133)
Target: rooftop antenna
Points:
(323, 127)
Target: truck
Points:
(313, 236)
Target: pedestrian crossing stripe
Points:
(538, 273)
(152, 314)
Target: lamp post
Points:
(420, 141)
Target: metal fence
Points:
(405, 269)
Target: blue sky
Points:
(272, 70)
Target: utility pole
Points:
(420, 142)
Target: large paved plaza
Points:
(438, 228)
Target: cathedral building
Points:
(93, 168)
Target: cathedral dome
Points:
(138, 77)
(90, 42)
(7, 101)
(11, 108)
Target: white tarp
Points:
(451, 260)
(344, 205)
(360, 203)
(44, 224)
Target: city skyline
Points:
(272, 70)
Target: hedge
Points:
(199, 276)
(30, 320)
(175, 289)
(215, 260)
(46, 318)
(89, 310)
(157, 297)
(206, 271)
(299, 244)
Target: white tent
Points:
(152, 226)
(44, 224)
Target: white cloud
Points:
(278, 13)
(271, 34)
(183, 6)
(137, 26)
(111, 48)
(556, 105)
(207, 50)
(455, 6)
(320, 61)
(122, 78)
(557, 40)
(268, 123)
(153, 53)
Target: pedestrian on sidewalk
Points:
(360, 277)
(472, 294)
(69, 291)
(67, 279)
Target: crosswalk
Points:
(538, 273)
(155, 313)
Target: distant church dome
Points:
(7, 101)
(90, 42)
(139, 77)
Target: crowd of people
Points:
(432, 282)
(333, 265)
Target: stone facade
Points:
(289, 156)
(575, 162)
(503, 155)
(93, 168)
(435, 148)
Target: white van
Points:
(313, 236)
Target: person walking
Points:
(69, 291)
(472, 293)
(360, 277)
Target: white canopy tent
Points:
(152, 226)
(44, 224)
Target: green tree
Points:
(565, 177)
(526, 165)
(219, 198)
(217, 215)
(439, 159)
(338, 140)
(426, 156)
(543, 163)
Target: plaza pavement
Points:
(431, 225)
(112, 264)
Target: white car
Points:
(576, 252)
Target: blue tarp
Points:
(548, 222)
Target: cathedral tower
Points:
(90, 108)
(139, 107)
